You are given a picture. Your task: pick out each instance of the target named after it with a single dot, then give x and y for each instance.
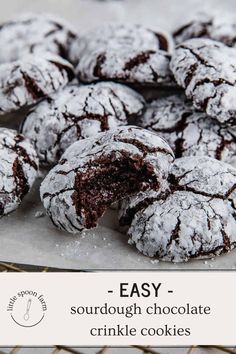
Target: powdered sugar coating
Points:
(19, 165)
(35, 33)
(60, 193)
(196, 219)
(129, 206)
(204, 175)
(184, 226)
(120, 35)
(76, 113)
(128, 65)
(188, 131)
(206, 69)
(218, 27)
(25, 81)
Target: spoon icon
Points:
(26, 315)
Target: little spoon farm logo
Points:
(27, 308)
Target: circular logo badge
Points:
(27, 308)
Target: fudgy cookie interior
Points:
(109, 179)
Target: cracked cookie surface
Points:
(130, 206)
(96, 172)
(195, 219)
(76, 113)
(218, 28)
(35, 33)
(120, 35)
(206, 69)
(127, 65)
(19, 165)
(25, 81)
(188, 131)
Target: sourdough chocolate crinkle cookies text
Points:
(76, 113)
(19, 165)
(196, 218)
(96, 172)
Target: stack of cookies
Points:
(169, 162)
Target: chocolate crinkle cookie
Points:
(35, 33)
(25, 81)
(118, 36)
(206, 69)
(195, 219)
(127, 65)
(76, 113)
(19, 165)
(188, 131)
(218, 27)
(124, 53)
(96, 172)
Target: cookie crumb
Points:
(154, 261)
(39, 214)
